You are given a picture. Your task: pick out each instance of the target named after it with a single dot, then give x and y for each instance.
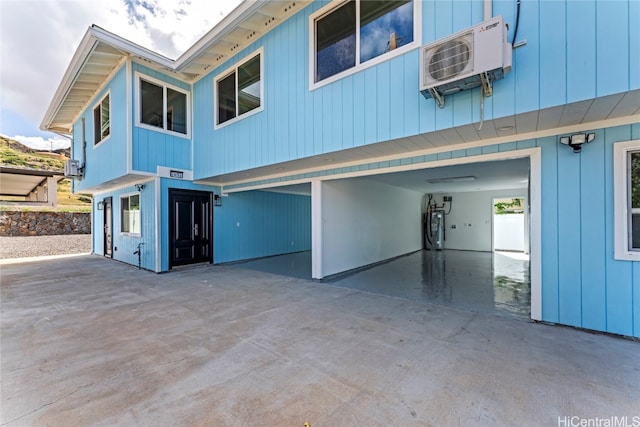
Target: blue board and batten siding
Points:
(125, 244)
(256, 224)
(151, 148)
(569, 56)
(104, 161)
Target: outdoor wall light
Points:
(575, 141)
(139, 187)
(100, 205)
(217, 200)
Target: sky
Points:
(39, 37)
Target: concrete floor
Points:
(492, 283)
(90, 341)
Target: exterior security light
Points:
(139, 187)
(575, 141)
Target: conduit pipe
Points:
(488, 9)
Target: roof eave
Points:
(227, 24)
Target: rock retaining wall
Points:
(30, 223)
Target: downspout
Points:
(488, 9)
(84, 150)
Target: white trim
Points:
(316, 229)
(164, 85)
(158, 219)
(129, 113)
(535, 233)
(435, 150)
(93, 112)
(621, 200)
(415, 44)
(225, 73)
(128, 195)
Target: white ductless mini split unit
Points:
(72, 169)
(468, 59)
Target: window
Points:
(130, 214)
(356, 32)
(163, 107)
(627, 199)
(239, 90)
(101, 122)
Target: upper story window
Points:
(130, 214)
(101, 120)
(627, 200)
(356, 32)
(162, 106)
(239, 90)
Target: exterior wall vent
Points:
(468, 59)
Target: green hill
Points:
(15, 154)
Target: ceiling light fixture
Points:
(452, 179)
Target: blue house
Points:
(323, 126)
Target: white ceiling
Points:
(495, 175)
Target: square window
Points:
(162, 106)
(130, 214)
(239, 90)
(355, 31)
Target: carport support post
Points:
(52, 193)
(316, 229)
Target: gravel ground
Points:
(21, 247)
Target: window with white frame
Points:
(355, 32)
(101, 120)
(130, 214)
(627, 199)
(162, 106)
(239, 90)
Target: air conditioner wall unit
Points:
(72, 169)
(468, 59)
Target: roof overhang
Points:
(101, 54)
(21, 182)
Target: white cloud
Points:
(40, 143)
(39, 39)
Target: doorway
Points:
(190, 227)
(108, 228)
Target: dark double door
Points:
(190, 227)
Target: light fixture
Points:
(576, 140)
(139, 187)
(452, 179)
(217, 200)
(100, 205)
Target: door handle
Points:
(195, 229)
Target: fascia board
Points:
(91, 38)
(79, 58)
(230, 22)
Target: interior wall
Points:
(364, 222)
(468, 226)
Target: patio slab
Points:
(90, 341)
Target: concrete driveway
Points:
(89, 341)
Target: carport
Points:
(368, 234)
(29, 186)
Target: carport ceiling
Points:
(495, 175)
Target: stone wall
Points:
(30, 223)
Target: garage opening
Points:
(375, 237)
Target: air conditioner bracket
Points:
(486, 84)
(436, 95)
